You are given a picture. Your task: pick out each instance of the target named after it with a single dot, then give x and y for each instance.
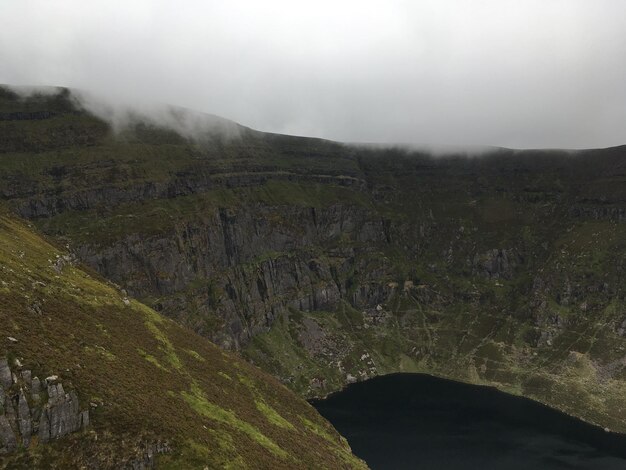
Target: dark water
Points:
(414, 421)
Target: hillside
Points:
(325, 263)
(92, 379)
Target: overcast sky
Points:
(523, 73)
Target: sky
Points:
(523, 73)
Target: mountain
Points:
(324, 263)
(92, 378)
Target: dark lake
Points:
(415, 421)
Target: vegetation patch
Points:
(197, 400)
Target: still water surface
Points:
(415, 421)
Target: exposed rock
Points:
(314, 339)
(147, 456)
(35, 390)
(8, 442)
(496, 263)
(84, 419)
(617, 214)
(246, 301)
(27, 378)
(35, 307)
(59, 415)
(25, 424)
(62, 261)
(5, 374)
(9, 409)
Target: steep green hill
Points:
(325, 263)
(136, 387)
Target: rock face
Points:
(24, 414)
(308, 255)
(287, 271)
(146, 458)
(496, 264)
(5, 374)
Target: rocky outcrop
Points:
(614, 213)
(32, 203)
(146, 456)
(496, 264)
(25, 116)
(61, 415)
(34, 408)
(245, 268)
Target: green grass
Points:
(197, 400)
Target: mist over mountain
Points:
(529, 74)
(211, 214)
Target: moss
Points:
(316, 429)
(151, 359)
(99, 350)
(153, 321)
(272, 415)
(195, 355)
(225, 375)
(196, 454)
(197, 400)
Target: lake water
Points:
(415, 421)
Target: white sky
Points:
(523, 73)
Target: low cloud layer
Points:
(537, 73)
(124, 113)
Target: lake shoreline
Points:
(444, 409)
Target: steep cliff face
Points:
(238, 269)
(326, 263)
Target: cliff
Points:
(326, 263)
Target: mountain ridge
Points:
(324, 263)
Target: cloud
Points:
(536, 73)
(124, 113)
(186, 122)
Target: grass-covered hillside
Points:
(326, 263)
(155, 391)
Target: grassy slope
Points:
(154, 381)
